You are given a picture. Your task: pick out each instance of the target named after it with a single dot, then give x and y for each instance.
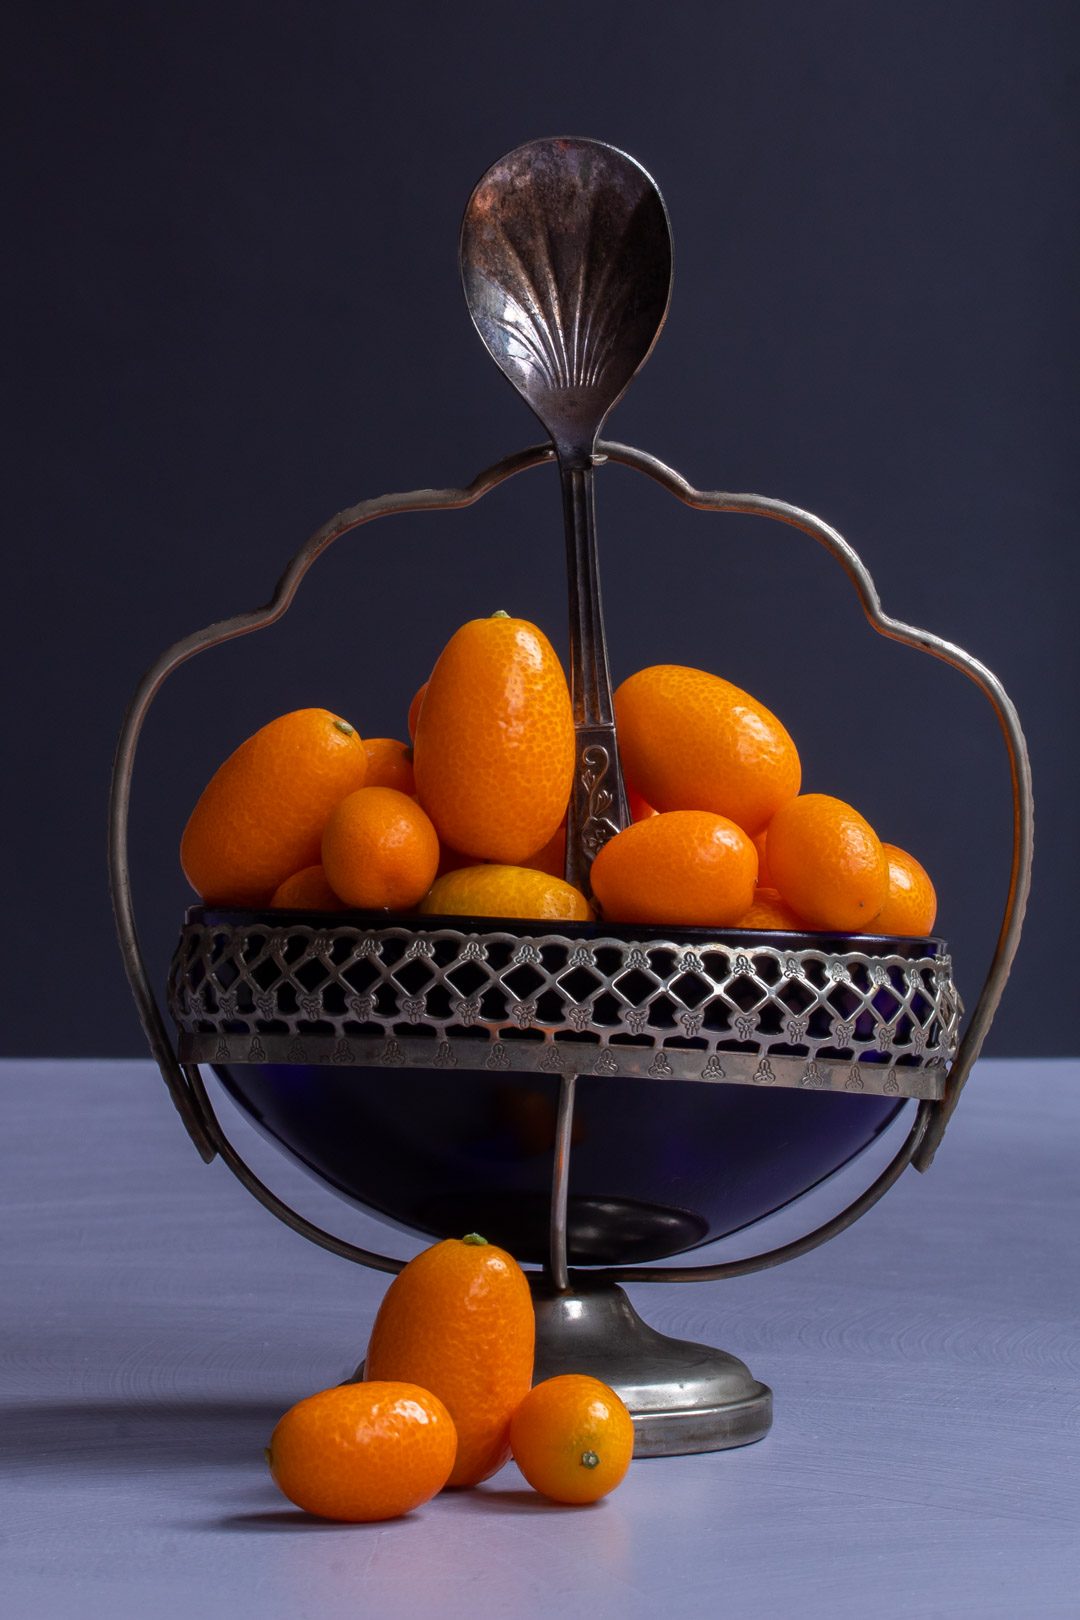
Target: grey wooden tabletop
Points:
(157, 1322)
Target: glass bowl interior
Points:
(658, 1167)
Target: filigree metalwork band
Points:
(722, 1011)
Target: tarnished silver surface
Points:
(560, 1185)
(183, 1078)
(734, 1010)
(598, 799)
(566, 265)
(683, 1397)
(1023, 806)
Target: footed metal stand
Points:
(682, 1396)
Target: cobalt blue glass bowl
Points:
(657, 1166)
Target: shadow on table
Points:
(498, 1500)
(72, 1437)
(275, 1521)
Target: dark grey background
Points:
(237, 310)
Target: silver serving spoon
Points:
(566, 263)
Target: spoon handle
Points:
(598, 807)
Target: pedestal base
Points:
(683, 1397)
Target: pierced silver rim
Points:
(736, 1009)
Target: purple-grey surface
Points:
(156, 1322)
(235, 309)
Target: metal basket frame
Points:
(181, 1074)
(867, 1015)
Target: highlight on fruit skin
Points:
(828, 864)
(911, 905)
(573, 1438)
(505, 891)
(379, 850)
(363, 1452)
(495, 745)
(685, 868)
(458, 1320)
(414, 709)
(260, 818)
(690, 740)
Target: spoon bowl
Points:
(566, 262)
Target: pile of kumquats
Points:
(447, 1397)
(468, 819)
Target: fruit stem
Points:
(474, 1238)
(589, 1459)
(343, 725)
(500, 613)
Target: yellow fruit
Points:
(505, 891)
(573, 1438)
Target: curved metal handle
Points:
(923, 641)
(726, 1269)
(185, 1083)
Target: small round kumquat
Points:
(505, 891)
(573, 1438)
(379, 850)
